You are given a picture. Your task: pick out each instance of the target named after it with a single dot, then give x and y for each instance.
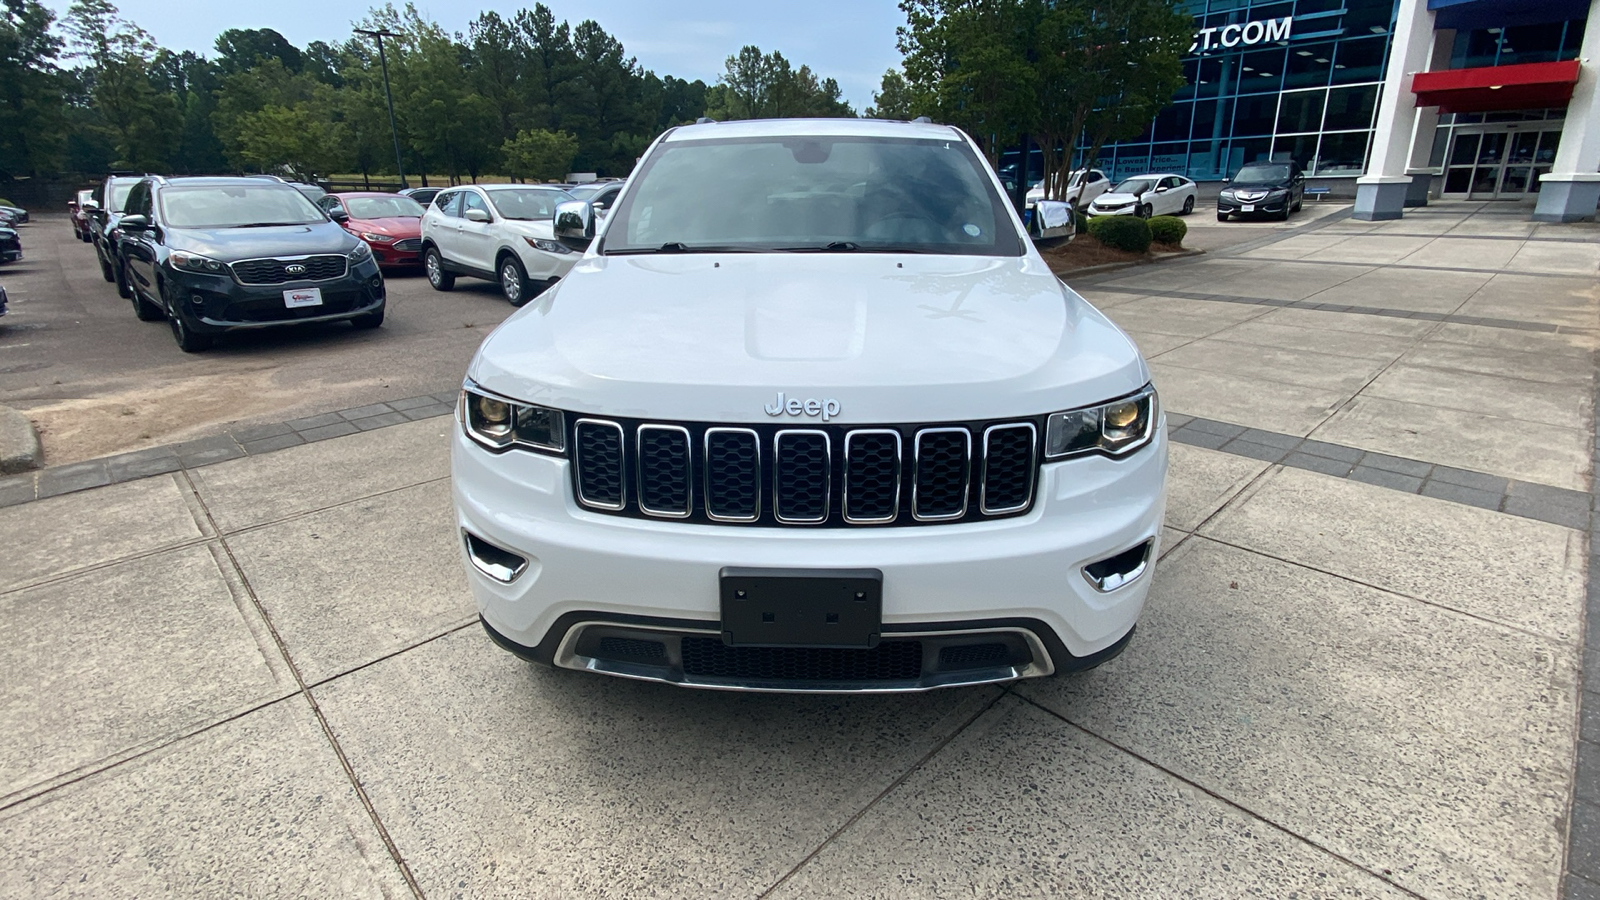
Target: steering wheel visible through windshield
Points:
(813, 193)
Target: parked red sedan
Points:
(80, 214)
(389, 223)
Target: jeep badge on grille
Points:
(794, 406)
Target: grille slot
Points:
(276, 271)
(871, 476)
(409, 245)
(733, 474)
(598, 458)
(664, 470)
(939, 490)
(626, 649)
(889, 661)
(802, 481)
(1008, 467)
(973, 656)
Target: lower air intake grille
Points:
(973, 656)
(624, 649)
(889, 661)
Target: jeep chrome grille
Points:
(830, 476)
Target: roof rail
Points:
(705, 120)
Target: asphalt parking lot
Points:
(97, 381)
(1359, 675)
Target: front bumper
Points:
(1129, 210)
(1012, 583)
(400, 254)
(1272, 205)
(214, 304)
(543, 266)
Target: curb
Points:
(1112, 267)
(19, 443)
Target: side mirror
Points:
(477, 215)
(1161, 190)
(574, 224)
(1226, 180)
(133, 223)
(339, 215)
(90, 205)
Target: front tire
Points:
(124, 284)
(1146, 211)
(514, 281)
(438, 278)
(188, 341)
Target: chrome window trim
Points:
(577, 464)
(966, 476)
(688, 470)
(755, 439)
(1033, 469)
(287, 259)
(827, 504)
(899, 475)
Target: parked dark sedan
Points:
(109, 197)
(18, 214)
(10, 245)
(1264, 189)
(212, 255)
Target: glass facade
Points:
(1270, 81)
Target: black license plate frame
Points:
(815, 608)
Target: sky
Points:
(853, 42)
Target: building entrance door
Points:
(1498, 162)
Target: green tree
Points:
(893, 99)
(305, 139)
(32, 105)
(142, 120)
(967, 63)
(239, 49)
(539, 155)
(758, 85)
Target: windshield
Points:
(236, 206)
(383, 208)
(1262, 173)
(1134, 186)
(585, 191)
(527, 204)
(813, 193)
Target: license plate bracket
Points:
(1248, 207)
(831, 608)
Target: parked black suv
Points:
(226, 254)
(110, 197)
(1266, 189)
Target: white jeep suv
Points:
(810, 414)
(496, 231)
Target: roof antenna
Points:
(922, 120)
(705, 120)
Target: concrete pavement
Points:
(1359, 674)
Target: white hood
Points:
(1110, 199)
(890, 338)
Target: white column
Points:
(1381, 193)
(1420, 169)
(1571, 190)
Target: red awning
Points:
(1491, 88)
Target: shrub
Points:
(1080, 222)
(5, 202)
(1128, 233)
(1167, 230)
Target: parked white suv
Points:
(810, 414)
(500, 232)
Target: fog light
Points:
(1115, 571)
(197, 300)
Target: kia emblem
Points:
(295, 269)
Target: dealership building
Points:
(1392, 101)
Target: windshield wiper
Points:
(679, 247)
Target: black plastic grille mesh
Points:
(733, 474)
(941, 473)
(872, 476)
(632, 650)
(276, 271)
(802, 477)
(1008, 468)
(409, 245)
(889, 661)
(664, 470)
(973, 656)
(599, 458)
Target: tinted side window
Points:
(138, 202)
(446, 203)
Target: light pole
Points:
(394, 130)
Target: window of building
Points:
(1358, 61)
(1300, 111)
(1343, 153)
(1351, 107)
(1255, 115)
(1308, 65)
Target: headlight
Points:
(377, 238)
(1113, 428)
(497, 423)
(190, 262)
(548, 246)
(361, 252)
